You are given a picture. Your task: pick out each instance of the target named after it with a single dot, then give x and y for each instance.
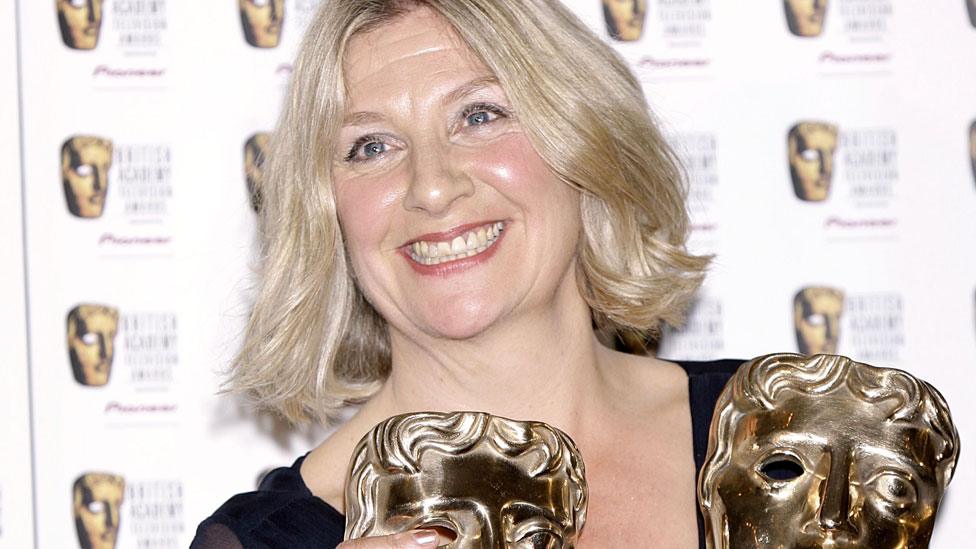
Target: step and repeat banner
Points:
(830, 147)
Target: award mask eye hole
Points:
(893, 488)
(540, 539)
(781, 467)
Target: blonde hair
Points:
(313, 344)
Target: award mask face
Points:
(85, 162)
(811, 156)
(493, 482)
(97, 498)
(825, 452)
(91, 343)
(625, 19)
(805, 17)
(816, 319)
(262, 21)
(80, 21)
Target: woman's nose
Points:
(437, 180)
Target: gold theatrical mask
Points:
(91, 343)
(492, 482)
(812, 452)
(625, 19)
(811, 155)
(85, 162)
(805, 17)
(97, 498)
(262, 20)
(80, 22)
(816, 319)
(254, 156)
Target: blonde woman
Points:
(462, 195)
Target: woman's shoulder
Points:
(282, 512)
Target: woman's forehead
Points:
(418, 52)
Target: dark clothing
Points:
(284, 513)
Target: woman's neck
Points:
(543, 366)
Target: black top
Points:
(284, 513)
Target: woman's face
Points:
(451, 219)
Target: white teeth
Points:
(458, 245)
(467, 245)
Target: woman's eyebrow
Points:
(362, 118)
(468, 88)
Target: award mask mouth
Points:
(481, 481)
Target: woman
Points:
(459, 192)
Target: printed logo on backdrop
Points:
(145, 513)
(263, 25)
(129, 36)
(853, 32)
(254, 155)
(262, 21)
(698, 153)
(868, 326)
(96, 504)
(852, 171)
(701, 338)
(85, 164)
(128, 186)
(663, 38)
(143, 346)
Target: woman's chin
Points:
(458, 321)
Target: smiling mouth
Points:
(467, 245)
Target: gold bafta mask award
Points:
(816, 319)
(823, 451)
(80, 22)
(262, 20)
(805, 17)
(91, 331)
(625, 19)
(490, 482)
(811, 148)
(96, 500)
(85, 163)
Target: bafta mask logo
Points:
(825, 452)
(80, 22)
(254, 155)
(262, 20)
(625, 19)
(816, 319)
(491, 481)
(811, 148)
(97, 498)
(91, 342)
(85, 162)
(805, 17)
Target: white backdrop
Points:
(177, 90)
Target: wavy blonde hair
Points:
(313, 344)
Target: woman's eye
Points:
(481, 114)
(366, 148)
(373, 149)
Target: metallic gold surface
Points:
(823, 451)
(493, 482)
